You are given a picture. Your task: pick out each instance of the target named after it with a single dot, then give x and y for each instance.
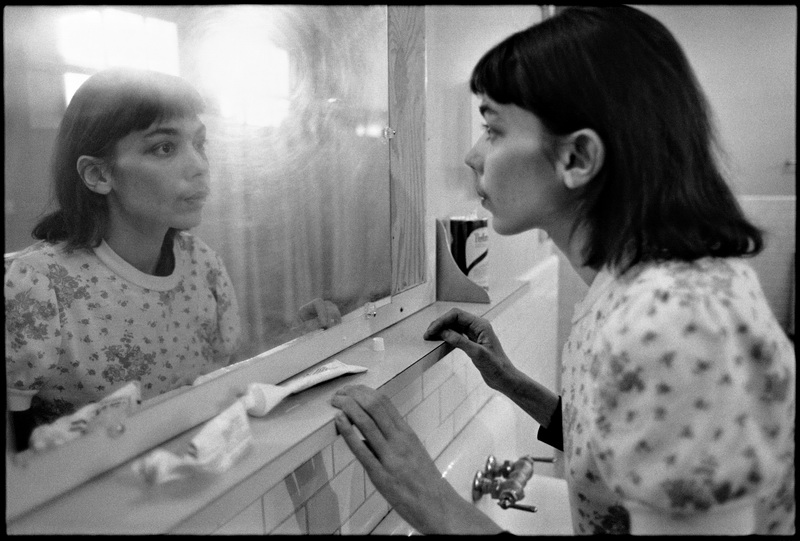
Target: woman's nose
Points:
(474, 159)
(198, 162)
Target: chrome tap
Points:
(506, 482)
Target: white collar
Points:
(127, 271)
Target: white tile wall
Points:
(776, 264)
(277, 504)
(294, 525)
(331, 493)
(248, 522)
(424, 418)
(367, 516)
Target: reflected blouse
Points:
(81, 324)
(678, 390)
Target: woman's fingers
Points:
(334, 310)
(474, 328)
(475, 337)
(359, 448)
(455, 319)
(367, 421)
(329, 314)
(379, 407)
(321, 312)
(464, 331)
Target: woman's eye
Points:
(488, 130)
(164, 149)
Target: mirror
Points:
(32, 479)
(297, 104)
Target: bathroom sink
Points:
(493, 432)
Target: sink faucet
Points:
(506, 482)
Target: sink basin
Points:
(493, 432)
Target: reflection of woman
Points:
(678, 388)
(116, 290)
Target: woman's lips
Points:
(197, 200)
(199, 196)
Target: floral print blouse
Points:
(81, 324)
(678, 392)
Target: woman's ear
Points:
(94, 175)
(581, 156)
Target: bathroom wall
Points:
(330, 493)
(745, 58)
(456, 38)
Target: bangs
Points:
(155, 99)
(116, 102)
(144, 109)
(520, 71)
(496, 75)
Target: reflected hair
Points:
(108, 106)
(659, 194)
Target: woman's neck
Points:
(143, 251)
(572, 248)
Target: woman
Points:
(116, 289)
(676, 412)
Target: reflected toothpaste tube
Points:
(227, 436)
(109, 410)
(222, 440)
(217, 447)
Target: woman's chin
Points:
(502, 228)
(187, 222)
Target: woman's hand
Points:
(400, 467)
(319, 313)
(475, 337)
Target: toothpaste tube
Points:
(262, 397)
(326, 372)
(113, 408)
(218, 445)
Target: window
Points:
(95, 39)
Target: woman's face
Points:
(159, 177)
(516, 173)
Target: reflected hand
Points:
(400, 467)
(320, 313)
(475, 337)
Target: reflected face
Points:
(516, 176)
(159, 178)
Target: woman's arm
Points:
(401, 469)
(475, 337)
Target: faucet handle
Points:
(482, 484)
(491, 469)
(506, 504)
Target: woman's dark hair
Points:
(659, 194)
(107, 107)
